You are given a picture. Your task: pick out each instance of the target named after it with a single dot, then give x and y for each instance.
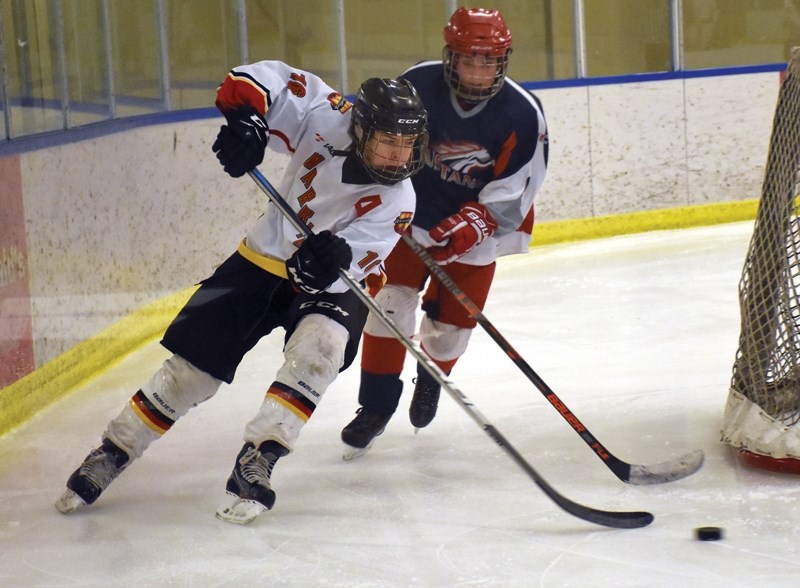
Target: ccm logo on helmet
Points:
(404, 121)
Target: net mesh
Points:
(766, 370)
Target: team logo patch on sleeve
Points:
(339, 102)
(402, 221)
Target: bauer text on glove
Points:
(461, 232)
(316, 263)
(241, 143)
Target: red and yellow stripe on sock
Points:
(292, 400)
(149, 413)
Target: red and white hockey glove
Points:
(461, 232)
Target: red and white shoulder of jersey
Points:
(284, 94)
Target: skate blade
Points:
(69, 501)
(350, 453)
(241, 511)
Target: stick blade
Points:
(667, 471)
(614, 519)
(617, 520)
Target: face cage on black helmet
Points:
(472, 93)
(389, 173)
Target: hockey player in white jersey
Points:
(347, 177)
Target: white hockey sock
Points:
(175, 388)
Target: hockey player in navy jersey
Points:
(347, 176)
(486, 161)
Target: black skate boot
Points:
(360, 433)
(249, 482)
(97, 471)
(425, 400)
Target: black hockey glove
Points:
(240, 144)
(316, 263)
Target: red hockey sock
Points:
(382, 355)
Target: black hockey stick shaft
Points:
(620, 520)
(632, 474)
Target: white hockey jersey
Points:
(324, 181)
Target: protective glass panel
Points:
(136, 57)
(86, 52)
(543, 38)
(739, 32)
(268, 34)
(385, 37)
(305, 38)
(33, 88)
(627, 36)
(203, 47)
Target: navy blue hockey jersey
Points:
(495, 154)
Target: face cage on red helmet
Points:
(387, 174)
(471, 93)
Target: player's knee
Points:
(313, 355)
(400, 303)
(443, 342)
(178, 386)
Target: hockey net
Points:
(762, 414)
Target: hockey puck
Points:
(708, 533)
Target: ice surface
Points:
(636, 334)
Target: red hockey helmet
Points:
(478, 31)
(476, 38)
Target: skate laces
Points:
(100, 468)
(257, 468)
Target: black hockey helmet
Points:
(390, 128)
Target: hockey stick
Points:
(641, 475)
(619, 520)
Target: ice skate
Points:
(249, 483)
(94, 475)
(424, 403)
(360, 434)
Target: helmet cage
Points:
(469, 92)
(387, 114)
(473, 32)
(385, 170)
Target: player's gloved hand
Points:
(316, 263)
(461, 232)
(240, 144)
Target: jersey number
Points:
(367, 203)
(369, 261)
